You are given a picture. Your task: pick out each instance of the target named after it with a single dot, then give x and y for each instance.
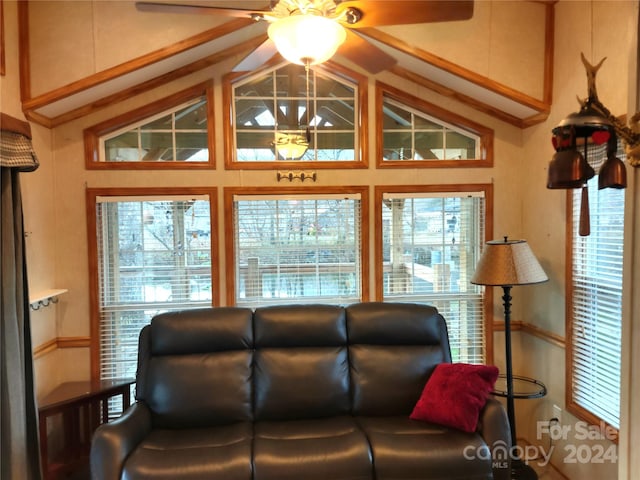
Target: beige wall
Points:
(508, 38)
(39, 212)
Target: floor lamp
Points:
(505, 263)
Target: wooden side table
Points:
(82, 406)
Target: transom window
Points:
(289, 114)
(298, 248)
(173, 133)
(428, 247)
(413, 133)
(180, 135)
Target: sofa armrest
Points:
(495, 430)
(113, 442)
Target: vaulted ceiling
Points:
(78, 57)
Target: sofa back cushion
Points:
(194, 367)
(394, 348)
(301, 367)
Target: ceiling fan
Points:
(309, 32)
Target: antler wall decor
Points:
(630, 134)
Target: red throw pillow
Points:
(454, 395)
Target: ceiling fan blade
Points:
(257, 57)
(365, 54)
(399, 12)
(157, 7)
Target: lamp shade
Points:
(508, 262)
(307, 39)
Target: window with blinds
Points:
(154, 255)
(298, 248)
(431, 243)
(595, 302)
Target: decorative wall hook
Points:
(45, 298)
(291, 175)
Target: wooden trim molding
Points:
(45, 348)
(61, 342)
(3, 70)
(456, 70)
(546, 335)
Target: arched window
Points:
(289, 114)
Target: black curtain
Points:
(19, 441)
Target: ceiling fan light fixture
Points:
(307, 39)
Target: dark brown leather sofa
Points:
(297, 392)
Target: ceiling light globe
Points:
(307, 39)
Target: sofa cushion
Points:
(455, 394)
(201, 330)
(394, 349)
(216, 453)
(300, 326)
(332, 448)
(405, 449)
(194, 367)
(200, 390)
(301, 367)
(294, 383)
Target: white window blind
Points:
(596, 302)
(297, 248)
(154, 255)
(431, 244)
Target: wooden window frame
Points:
(229, 220)
(572, 405)
(486, 134)
(93, 134)
(91, 196)
(361, 117)
(487, 189)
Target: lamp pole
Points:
(507, 347)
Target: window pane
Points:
(410, 134)
(280, 103)
(431, 245)
(177, 136)
(154, 256)
(297, 249)
(596, 303)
